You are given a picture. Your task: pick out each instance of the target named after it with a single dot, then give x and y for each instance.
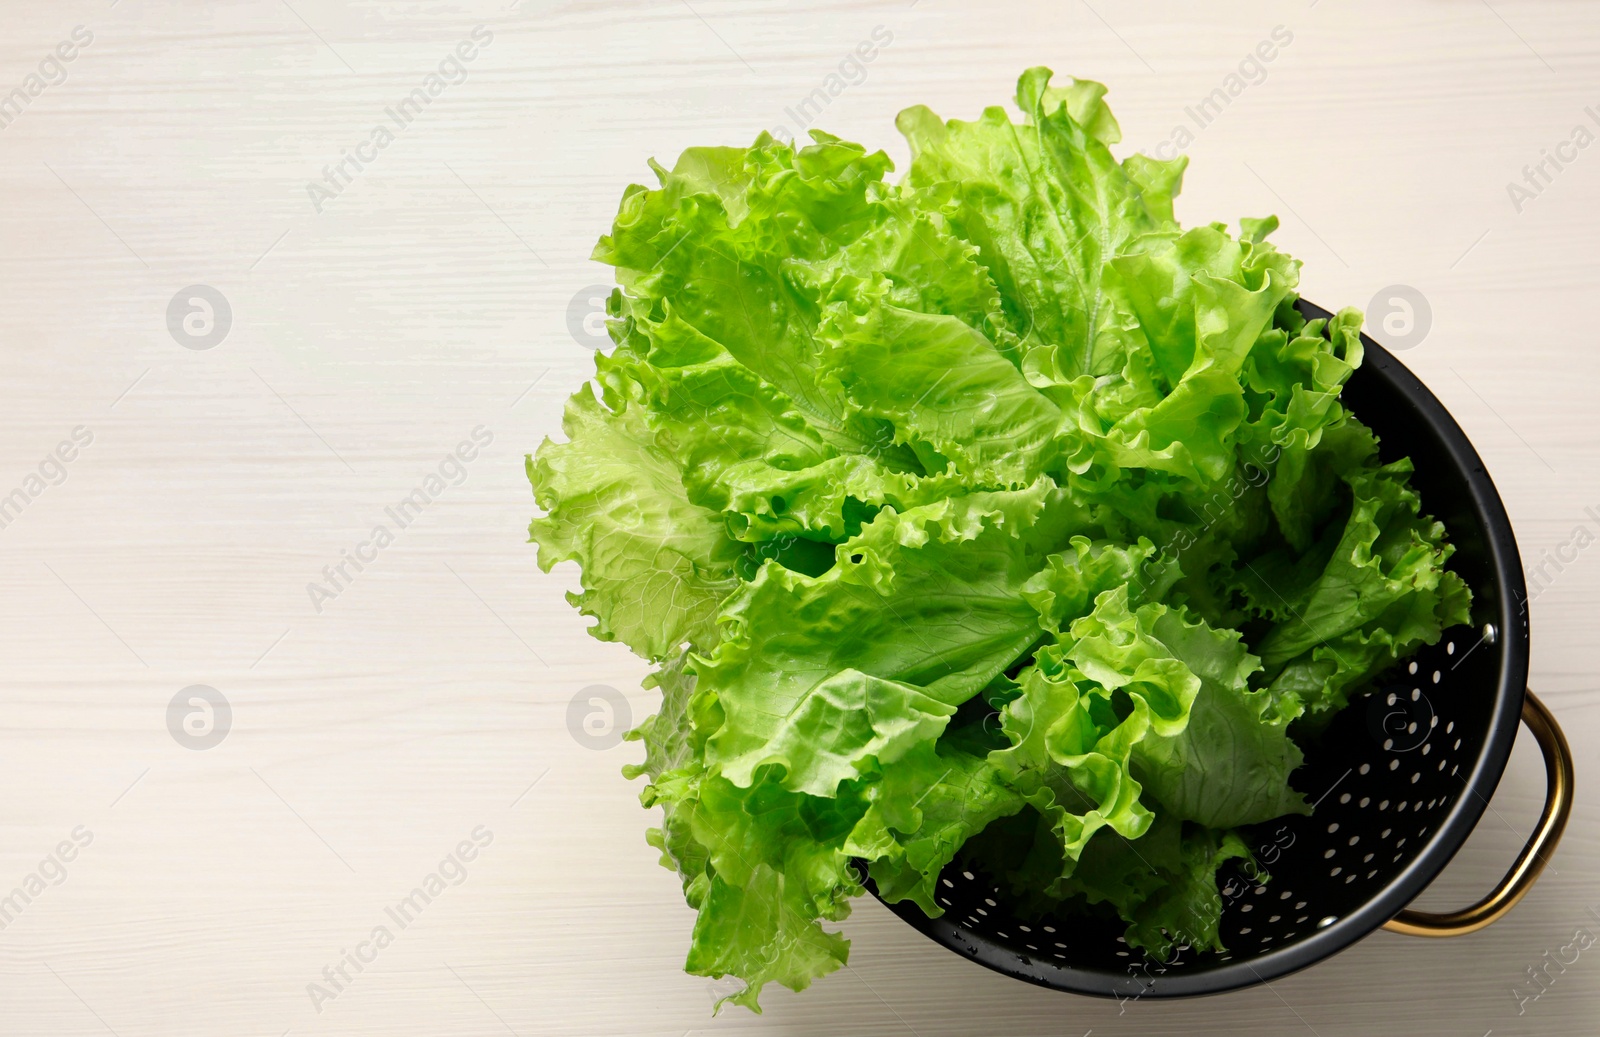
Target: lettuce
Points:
(986, 515)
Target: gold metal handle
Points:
(1557, 808)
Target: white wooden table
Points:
(425, 697)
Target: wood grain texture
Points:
(430, 298)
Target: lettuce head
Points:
(988, 493)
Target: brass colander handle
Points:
(1531, 861)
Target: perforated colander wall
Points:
(1382, 777)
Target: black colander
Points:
(1399, 778)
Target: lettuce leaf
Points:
(655, 566)
(920, 611)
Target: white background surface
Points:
(431, 297)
